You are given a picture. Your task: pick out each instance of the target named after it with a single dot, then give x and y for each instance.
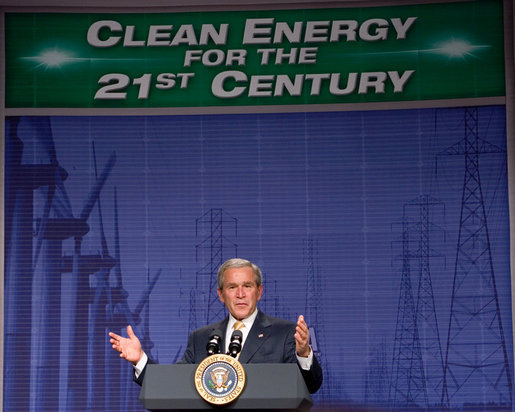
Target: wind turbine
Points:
(120, 316)
(22, 180)
(30, 138)
(82, 268)
(99, 385)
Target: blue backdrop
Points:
(387, 229)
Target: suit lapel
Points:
(258, 335)
(223, 328)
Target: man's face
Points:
(240, 293)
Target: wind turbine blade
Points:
(130, 319)
(103, 278)
(99, 289)
(62, 205)
(123, 305)
(103, 241)
(144, 297)
(105, 250)
(42, 131)
(95, 191)
(43, 223)
(118, 268)
(177, 355)
(44, 138)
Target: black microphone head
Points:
(237, 334)
(235, 344)
(217, 333)
(215, 340)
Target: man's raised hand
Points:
(129, 348)
(302, 338)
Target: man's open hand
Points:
(129, 348)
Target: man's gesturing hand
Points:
(129, 348)
(302, 338)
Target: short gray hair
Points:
(239, 263)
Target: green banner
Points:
(246, 58)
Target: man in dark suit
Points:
(265, 339)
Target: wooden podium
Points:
(268, 387)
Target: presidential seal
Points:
(219, 379)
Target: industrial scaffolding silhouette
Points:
(476, 363)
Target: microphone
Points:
(235, 345)
(213, 346)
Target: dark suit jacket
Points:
(270, 340)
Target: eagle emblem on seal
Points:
(219, 377)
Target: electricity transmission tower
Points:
(420, 212)
(215, 247)
(377, 377)
(313, 313)
(476, 365)
(408, 384)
